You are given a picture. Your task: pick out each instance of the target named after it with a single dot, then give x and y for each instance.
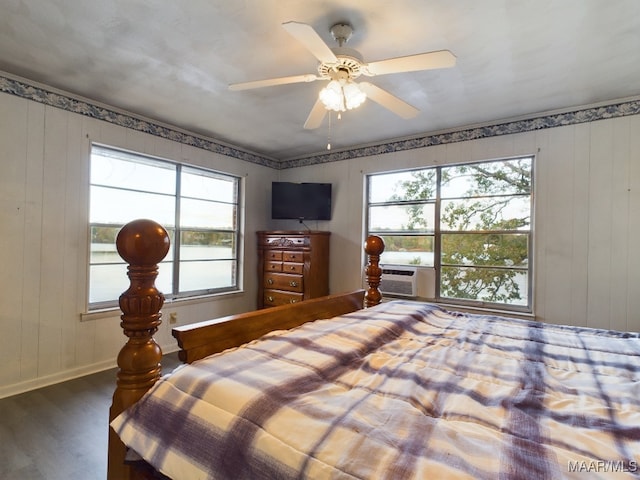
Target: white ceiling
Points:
(172, 61)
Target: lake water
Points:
(109, 279)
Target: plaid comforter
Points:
(402, 390)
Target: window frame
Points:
(438, 232)
(174, 255)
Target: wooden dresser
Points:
(292, 266)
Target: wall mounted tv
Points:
(301, 201)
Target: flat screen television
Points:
(301, 201)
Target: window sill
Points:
(169, 302)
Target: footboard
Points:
(202, 339)
(143, 244)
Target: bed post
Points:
(373, 246)
(142, 244)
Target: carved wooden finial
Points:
(373, 246)
(142, 244)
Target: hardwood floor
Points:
(60, 432)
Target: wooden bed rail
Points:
(143, 244)
(199, 340)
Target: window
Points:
(471, 222)
(197, 207)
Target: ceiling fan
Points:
(341, 65)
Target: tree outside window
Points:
(472, 222)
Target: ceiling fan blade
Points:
(412, 63)
(314, 120)
(307, 77)
(306, 35)
(391, 102)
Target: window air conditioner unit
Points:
(398, 280)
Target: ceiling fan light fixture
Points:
(331, 96)
(353, 95)
(341, 95)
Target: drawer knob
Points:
(292, 267)
(293, 283)
(270, 298)
(293, 300)
(270, 281)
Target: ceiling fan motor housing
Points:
(348, 59)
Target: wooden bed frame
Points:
(143, 244)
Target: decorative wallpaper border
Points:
(585, 115)
(40, 95)
(47, 97)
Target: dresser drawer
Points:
(274, 267)
(273, 255)
(285, 241)
(275, 297)
(283, 281)
(292, 267)
(297, 257)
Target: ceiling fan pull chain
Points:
(329, 135)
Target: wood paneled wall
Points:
(587, 215)
(44, 211)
